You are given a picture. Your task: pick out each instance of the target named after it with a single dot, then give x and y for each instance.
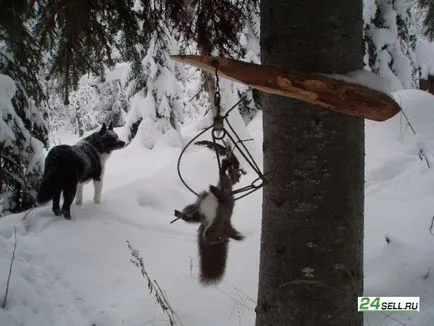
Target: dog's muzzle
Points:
(120, 144)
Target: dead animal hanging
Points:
(231, 141)
(213, 210)
(337, 95)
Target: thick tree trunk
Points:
(311, 260)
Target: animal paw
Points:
(194, 217)
(97, 200)
(66, 214)
(79, 202)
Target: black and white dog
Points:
(68, 167)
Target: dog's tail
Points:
(48, 186)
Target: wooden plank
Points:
(336, 95)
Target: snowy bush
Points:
(21, 152)
(390, 41)
(93, 103)
(158, 98)
(231, 92)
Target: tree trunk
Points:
(311, 260)
(208, 80)
(78, 117)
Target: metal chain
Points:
(217, 92)
(218, 133)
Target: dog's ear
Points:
(103, 128)
(110, 126)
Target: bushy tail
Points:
(212, 260)
(47, 188)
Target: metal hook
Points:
(218, 133)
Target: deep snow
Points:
(79, 272)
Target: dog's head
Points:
(108, 139)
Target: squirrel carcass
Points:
(213, 210)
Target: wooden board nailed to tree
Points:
(337, 95)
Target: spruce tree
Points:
(83, 35)
(428, 6)
(248, 38)
(229, 29)
(390, 42)
(23, 120)
(157, 101)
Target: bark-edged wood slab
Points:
(337, 95)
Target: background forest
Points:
(67, 67)
(76, 66)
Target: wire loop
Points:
(219, 133)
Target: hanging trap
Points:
(224, 143)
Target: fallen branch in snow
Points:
(395, 319)
(241, 293)
(10, 269)
(422, 156)
(387, 239)
(237, 302)
(153, 286)
(431, 226)
(408, 121)
(27, 214)
(427, 274)
(421, 153)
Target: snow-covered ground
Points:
(79, 272)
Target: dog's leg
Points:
(79, 195)
(97, 182)
(68, 197)
(97, 185)
(56, 206)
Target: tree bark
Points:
(311, 259)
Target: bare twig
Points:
(405, 116)
(191, 266)
(421, 153)
(194, 96)
(154, 287)
(240, 292)
(431, 226)
(427, 274)
(10, 269)
(395, 319)
(408, 121)
(27, 214)
(422, 157)
(234, 299)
